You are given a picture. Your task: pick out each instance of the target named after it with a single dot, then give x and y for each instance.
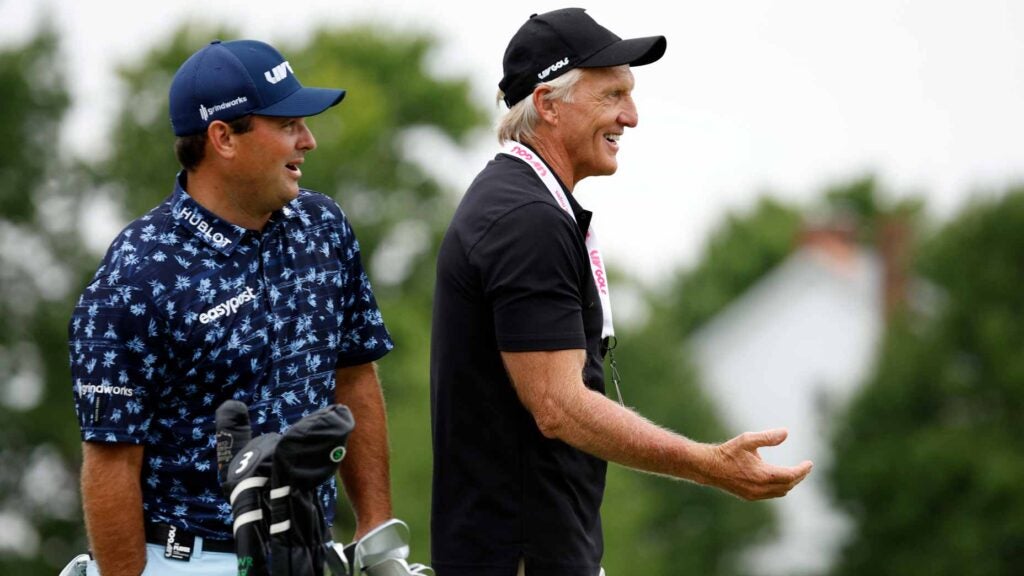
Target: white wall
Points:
(797, 343)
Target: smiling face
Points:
(269, 161)
(591, 124)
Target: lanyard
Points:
(517, 150)
(533, 160)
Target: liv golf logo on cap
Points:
(278, 73)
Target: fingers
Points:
(751, 478)
(790, 475)
(772, 437)
(779, 480)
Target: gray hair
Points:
(518, 123)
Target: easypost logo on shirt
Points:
(227, 307)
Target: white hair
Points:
(518, 123)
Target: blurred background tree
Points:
(928, 460)
(39, 252)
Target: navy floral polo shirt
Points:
(187, 310)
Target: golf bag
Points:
(244, 468)
(271, 484)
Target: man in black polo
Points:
(522, 429)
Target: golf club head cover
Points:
(233, 432)
(307, 455)
(247, 488)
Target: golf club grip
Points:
(233, 432)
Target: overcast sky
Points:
(751, 96)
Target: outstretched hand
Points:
(736, 467)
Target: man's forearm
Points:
(365, 472)
(550, 387)
(112, 502)
(599, 426)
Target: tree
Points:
(38, 252)
(927, 459)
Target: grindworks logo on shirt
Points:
(227, 307)
(104, 388)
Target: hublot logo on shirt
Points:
(203, 226)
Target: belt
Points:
(180, 543)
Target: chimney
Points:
(834, 238)
(894, 249)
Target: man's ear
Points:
(221, 139)
(546, 107)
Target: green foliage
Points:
(34, 98)
(741, 251)
(38, 438)
(928, 459)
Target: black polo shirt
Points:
(512, 275)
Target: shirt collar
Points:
(218, 234)
(221, 235)
(581, 215)
(289, 211)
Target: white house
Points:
(787, 353)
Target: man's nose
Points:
(306, 140)
(628, 116)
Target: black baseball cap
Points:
(550, 44)
(227, 80)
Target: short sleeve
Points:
(118, 361)
(364, 337)
(530, 264)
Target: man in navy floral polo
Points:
(239, 285)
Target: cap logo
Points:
(556, 66)
(205, 113)
(278, 73)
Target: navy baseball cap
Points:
(550, 44)
(227, 80)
